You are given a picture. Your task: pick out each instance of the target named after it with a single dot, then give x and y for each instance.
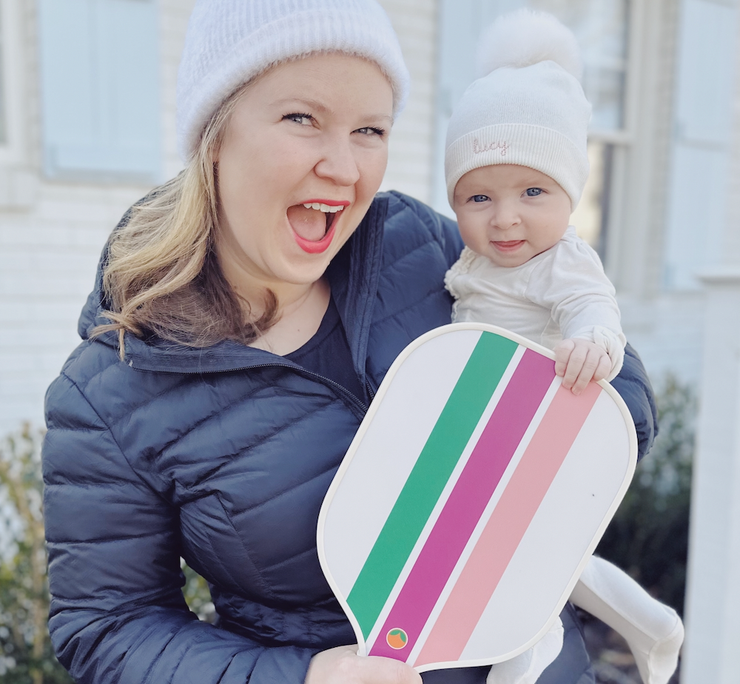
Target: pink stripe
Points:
(467, 501)
(508, 524)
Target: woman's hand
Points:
(342, 665)
(580, 361)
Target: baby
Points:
(516, 165)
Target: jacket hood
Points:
(353, 275)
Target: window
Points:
(602, 30)
(99, 67)
(3, 124)
(702, 133)
(12, 69)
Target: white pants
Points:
(653, 631)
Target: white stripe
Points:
(378, 461)
(561, 537)
(436, 511)
(485, 517)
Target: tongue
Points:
(310, 224)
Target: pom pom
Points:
(523, 38)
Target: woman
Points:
(244, 315)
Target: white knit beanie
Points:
(529, 109)
(229, 42)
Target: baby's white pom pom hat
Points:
(229, 42)
(528, 107)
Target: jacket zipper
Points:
(358, 404)
(336, 386)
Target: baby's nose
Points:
(505, 216)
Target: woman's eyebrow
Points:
(386, 117)
(304, 102)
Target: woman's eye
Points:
(371, 130)
(479, 198)
(303, 119)
(533, 192)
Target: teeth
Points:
(324, 207)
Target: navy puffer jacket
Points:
(222, 456)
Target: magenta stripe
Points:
(507, 526)
(468, 499)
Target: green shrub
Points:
(26, 656)
(197, 594)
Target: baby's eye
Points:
(303, 119)
(479, 198)
(533, 192)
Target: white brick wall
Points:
(48, 256)
(411, 146)
(667, 332)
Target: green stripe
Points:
(430, 474)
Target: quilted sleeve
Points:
(452, 242)
(634, 387)
(443, 229)
(117, 611)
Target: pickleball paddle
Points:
(471, 498)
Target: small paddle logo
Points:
(397, 639)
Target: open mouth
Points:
(313, 224)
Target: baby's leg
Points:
(527, 667)
(653, 631)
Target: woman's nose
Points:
(338, 163)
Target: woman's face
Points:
(302, 157)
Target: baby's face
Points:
(510, 213)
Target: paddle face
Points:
(471, 498)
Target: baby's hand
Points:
(579, 362)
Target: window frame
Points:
(622, 140)
(625, 158)
(12, 149)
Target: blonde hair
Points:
(162, 273)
